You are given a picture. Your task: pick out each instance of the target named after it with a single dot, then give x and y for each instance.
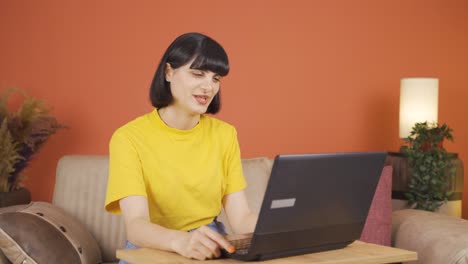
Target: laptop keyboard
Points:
(240, 242)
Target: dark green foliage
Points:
(22, 133)
(430, 165)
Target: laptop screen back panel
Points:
(316, 201)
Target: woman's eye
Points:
(216, 79)
(197, 73)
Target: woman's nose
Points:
(208, 84)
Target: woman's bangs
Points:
(216, 62)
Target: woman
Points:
(172, 169)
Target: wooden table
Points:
(357, 252)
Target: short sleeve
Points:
(125, 172)
(235, 180)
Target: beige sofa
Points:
(80, 190)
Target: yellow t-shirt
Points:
(184, 174)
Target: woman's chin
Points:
(200, 110)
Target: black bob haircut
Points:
(207, 55)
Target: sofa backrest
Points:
(80, 189)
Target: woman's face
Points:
(192, 89)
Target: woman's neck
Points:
(178, 119)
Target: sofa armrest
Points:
(437, 238)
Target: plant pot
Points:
(21, 196)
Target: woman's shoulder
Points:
(138, 124)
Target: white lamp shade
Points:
(419, 99)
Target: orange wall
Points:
(307, 76)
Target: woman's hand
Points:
(201, 244)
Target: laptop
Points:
(313, 202)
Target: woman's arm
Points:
(200, 244)
(240, 217)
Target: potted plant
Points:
(22, 133)
(430, 166)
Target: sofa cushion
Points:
(42, 233)
(437, 238)
(378, 226)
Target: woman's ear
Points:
(168, 72)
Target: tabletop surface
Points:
(357, 252)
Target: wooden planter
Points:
(21, 196)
